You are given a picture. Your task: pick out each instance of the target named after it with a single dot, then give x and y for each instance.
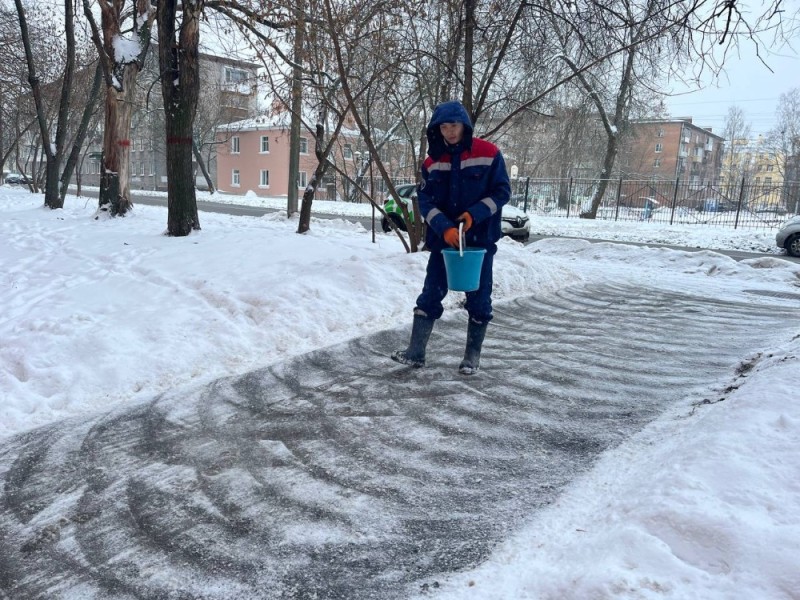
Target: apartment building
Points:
(228, 92)
(253, 157)
(670, 149)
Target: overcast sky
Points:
(746, 83)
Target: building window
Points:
(767, 180)
(660, 132)
(235, 144)
(264, 181)
(264, 144)
(236, 75)
(657, 162)
(302, 180)
(757, 180)
(303, 147)
(348, 152)
(235, 178)
(770, 167)
(659, 147)
(142, 166)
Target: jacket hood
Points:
(447, 112)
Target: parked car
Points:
(17, 178)
(714, 205)
(515, 222)
(788, 236)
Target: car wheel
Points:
(385, 225)
(793, 245)
(398, 221)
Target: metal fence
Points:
(740, 204)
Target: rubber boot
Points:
(414, 355)
(476, 331)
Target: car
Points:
(16, 178)
(788, 236)
(714, 205)
(515, 223)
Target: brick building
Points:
(670, 149)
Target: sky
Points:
(747, 83)
(95, 315)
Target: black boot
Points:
(476, 331)
(414, 355)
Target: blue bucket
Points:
(463, 272)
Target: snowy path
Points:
(342, 475)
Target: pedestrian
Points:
(463, 180)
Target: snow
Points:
(703, 503)
(125, 50)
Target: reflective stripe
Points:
(490, 203)
(478, 161)
(439, 166)
(432, 214)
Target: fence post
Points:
(525, 205)
(674, 200)
(739, 205)
(619, 195)
(569, 196)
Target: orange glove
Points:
(467, 218)
(451, 237)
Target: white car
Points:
(788, 236)
(515, 223)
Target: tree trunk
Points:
(74, 155)
(203, 169)
(180, 88)
(115, 166)
(297, 107)
(602, 183)
(51, 148)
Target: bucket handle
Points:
(461, 238)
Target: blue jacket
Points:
(469, 177)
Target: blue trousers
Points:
(479, 302)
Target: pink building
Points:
(253, 156)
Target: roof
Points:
(683, 121)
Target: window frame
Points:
(236, 178)
(235, 145)
(263, 175)
(229, 71)
(264, 144)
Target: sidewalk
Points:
(341, 474)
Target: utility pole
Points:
(297, 107)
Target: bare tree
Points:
(52, 146)
(178, 40)
(784, 141)
(121, 59)
(736, 161)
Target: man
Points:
(464, 179)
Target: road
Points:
(233, 209)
